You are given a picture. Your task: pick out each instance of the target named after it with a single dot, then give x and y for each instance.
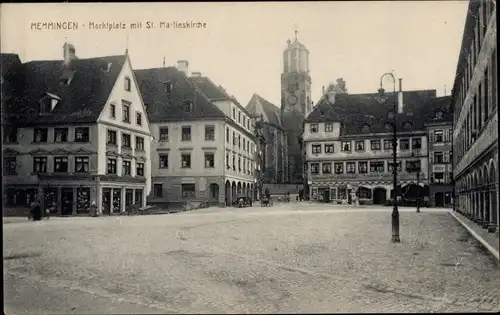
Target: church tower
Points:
(295, 79)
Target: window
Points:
(316, 148)
(437, 177)
(327, 168)
(228, 165)
(40, 164)
(360, 145)
(346, 145)
(416, 143)
(126, 113)
(406, 125)
(328, 127)
(112, 110)
(10, 165)
(111, 166)
(362, 167)
(339, 168)
(239, 164)
(168, 87)
(210, 133)
(126, 168)
(186, 160)
(60, 164)
(111, 137)
(126, 143)
(244, 121)
(188, 106)
(234, 138)
(329, 148)
(138, 119)
(139, 169)
(139, 143)
(234, 162)
(40, 135)
(438, 136)
(82, 134)
(404, 144)
(375, 145)
(313, 128)
(438, 157)
(239, 117)
(377, 167)
(390, 166)
(351, 167)
(127, 84)
(186, 133)
(387, 144)
(163, 160)
(164, 134)
(365, 128)
(314, 168)
(158, 190)
(438, 115)
(239, 142)
(234, 113)
(10, 134)
(413, 166)
(188, 191)
(82, 164)
(227, 135)
(209, 160)
(61, 135)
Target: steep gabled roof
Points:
(271, 113)
(214, 92)
(169, 106)
(80, 102)
(355, 110)
(8, 62)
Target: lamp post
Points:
(382, 98)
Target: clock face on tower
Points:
(292, 99)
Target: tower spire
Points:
(164, 62)
(126, 44)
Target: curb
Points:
(490, 248)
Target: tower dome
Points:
(295, 56)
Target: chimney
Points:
(196, 74)
(68, 54)
(182, 65)
(400, 97)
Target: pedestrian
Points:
(37, 211)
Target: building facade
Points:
(348, 148)
(475, 119)
(203, 149)
(274, 153)
(439, 134)
(76, 133)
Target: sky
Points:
(242, 46)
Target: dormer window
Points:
(407, 125)
(188, 106)
(168, 87)
(48, 102)
(107, 67)
(365, 128)
(65, 81)
(127, 84)
(438, 114)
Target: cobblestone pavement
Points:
(289, 259)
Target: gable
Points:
(125, 93)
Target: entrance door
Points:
(106, 201)
(326, 195)
(439, 199)
(379, 196)
(214, 192)
(349, 196)
(67, 201)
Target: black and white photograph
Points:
(250, 157)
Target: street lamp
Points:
(382, 98)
